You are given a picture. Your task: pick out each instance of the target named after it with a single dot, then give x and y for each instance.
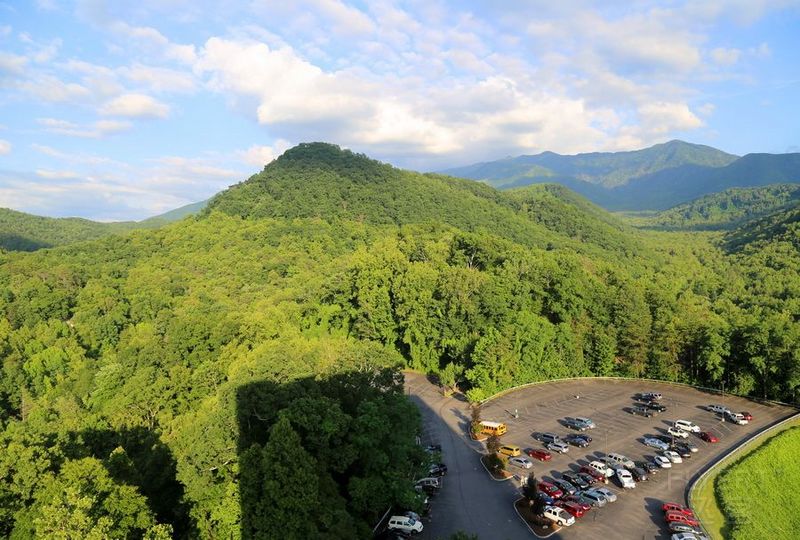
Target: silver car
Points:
(520, 462)
(558, 446)
(598, 499)
(607, 493)
(656, 443)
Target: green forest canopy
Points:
(198, 371)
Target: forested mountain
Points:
(726, 209)
(25, 232)
(606, 169)
(236, 374)
(655, 178)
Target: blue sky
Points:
(116, 110)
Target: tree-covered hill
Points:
(236, 375)
(607, 169)
(724, 210)
(25, 232)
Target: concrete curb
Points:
(556, 528)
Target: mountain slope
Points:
(726, 209)
(608, 169)
(25, 232)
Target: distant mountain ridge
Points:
(654, 178)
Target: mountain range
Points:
(654, 178)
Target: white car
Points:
(736, 418)
(688, 536)
(674, 457)
(558, 446)
(719, 409)
(558, 515)
(677, 432)
(656, 443)
(602, 468)
(525, 463)
(625, 478)
(687, 426)
(662, 462)
(405, 524)
(607, 493)
(619, 459)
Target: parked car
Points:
(648, 466)
(576, 480)
(565, 486)
(437, 469)
(545, 498)
(541, 455)
(550, 489)
(651, 396)
(607, 493)
(736, 418)
(691, 446)
(747, 416)
(573, 423)
(672, 456)
(586, 421)
(405, 524)
(619, 459)
(708, 437)
(655, 406)
(576, 440)
(680, 517)
(675, 507)
(574, 509)
(655, 443)
(577, 499)
(584, 436)
(580, 498)
(688, 536)
(675, 527)
(719, 409)
(625, 478)
(662, 462)
(687, 426)
(521, 462)
(598, 500)
(558, 446)
(559, 516)
(596, 475)
(589, 479)
(682, 450)
(677, 432)
(546, 437)
(639, 474)
(602, 468)
(641, 411)
(510, 450)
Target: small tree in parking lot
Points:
(530, 489)
(493, 444)
(475, 423)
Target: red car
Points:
(571, 508)
(575, 500)
(673, 507)
(594, 474)
(680, 517)
(551, 490)
(541, 455)
(708, 436)
(747, 415)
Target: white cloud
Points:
(95, 130)
(135, 105)
(258, 155)
(725, 57)
(56, 175)
(5, 147)
(159, 79)
(155, 42)
(660, 118)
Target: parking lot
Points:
(472, 502)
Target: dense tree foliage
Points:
(236, 374)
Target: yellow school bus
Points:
(493, 428)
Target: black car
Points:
(574, 424)
(641, 411)
(576, 440)
(639, 474)
(588, 478)
(655, 406)
(682, 450)
(438, 469)
(546, 437)
(576, 480)
(648, 466)
(565, 486)
(545, 498)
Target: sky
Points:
(119, 110)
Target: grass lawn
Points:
(759, 493)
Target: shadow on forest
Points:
(138, 457)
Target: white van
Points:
(685, 425)
(736, 418)
(405, 524)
